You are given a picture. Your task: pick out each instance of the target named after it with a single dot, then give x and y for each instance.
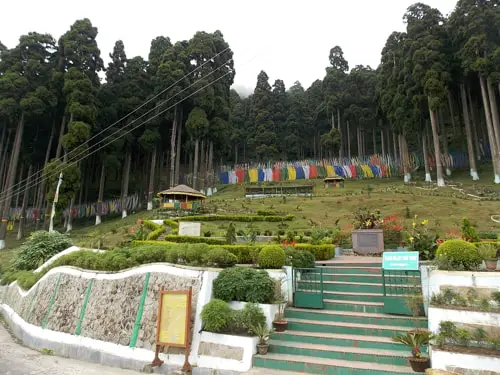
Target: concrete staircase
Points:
(351, 335)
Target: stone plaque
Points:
(368, 241)
(187, 228)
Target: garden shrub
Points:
(272, 257)
(488, 235)
(193, 254)
(189, 239)
(217, 316)
(469, 233)
(240, 218)
(156, 233)
(246, 254)
(245, 285)
(250, 316)
(220, 257)
(266, 212)
(320, 252)
(171, 223)
(150, 225)
(458, 255)
(40, 247)
(299, 258)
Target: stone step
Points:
(358, 287)
(388, 357)
(345, 328)
(354, 269)
(355, 317)
(358, 306)
(337, 339)
(353, 296)
(325, 366)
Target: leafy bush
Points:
(250, 316)
(272, 257)
(268, 212)
(246, 254)
(40, 247)
(487, 251)
(469, 233)
(244, 284)
(156, 233)
(193, 254)
(488, 235)
(217, 316)
(171, 223)
(240, 218)
(150, 225)
(320, 252)
(365, 219)
(458, 255)
(189, 239)
(299, 258)
(220, 257)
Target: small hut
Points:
(334, 182)
(181, 197)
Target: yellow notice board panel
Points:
(173, 318)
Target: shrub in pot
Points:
(415, 340)
(263, 333)
(488, 253)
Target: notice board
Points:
(174, 318)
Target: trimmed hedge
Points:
(242, 218)
(458, 255)
(156, 233)
(272, 256)
(247, 254)
(188, 239)
(171, 223)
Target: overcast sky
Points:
(289, 39)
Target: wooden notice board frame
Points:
(187, 329)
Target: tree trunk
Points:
(474, 124)
(348, 140)
(494, 113)
(11, 176)
(4, 166)
(178, 154)
(444, 136)
(201, 174)
(152, 179)
(437, 148)
(19, 185)
(98, 217)
(61, 134)
(452, 112)
(126, 179)
(2, 161)
(69, 218)
(195, 167)
(173, 139)
(22, 218)
(341, 149)
(236, 153)
(211, 165)
(495, 157)
(468, 132)
(374, 140)
(395, 146)
(383, 142)
(426, 159)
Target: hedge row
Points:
(247, 254)
(189, 239)
(242, 218)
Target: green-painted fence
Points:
(308, 288)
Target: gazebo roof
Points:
(182, 190)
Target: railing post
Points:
(383, 281)
(321, 281)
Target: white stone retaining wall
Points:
(53, 306)
(466, 364)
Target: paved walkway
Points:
(16, 359)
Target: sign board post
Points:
(173, 328)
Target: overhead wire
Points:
(134, 111)
(42, 178)
(45, 178)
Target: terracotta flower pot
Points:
(280, 326)
(419, 364)
(491, 264)
(262, 349)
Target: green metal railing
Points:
(308, 287)
(400, 288)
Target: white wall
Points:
(437, 315)
(442, 360)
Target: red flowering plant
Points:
(393, 228)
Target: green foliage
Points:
(262, 332)
(189, 239)
(421, 239)
(70, 183)
(171, 223)
(220, 257)
(239, 218)
(231, 234)
(39, 247)
(299, 258)
(488, 235)
(266, 212)
(414, 340)
(487, 251)
(365, 219)
(272, 257)
(245, 285)
(250, 316)
(458, 255)
(217, 316)
(320, 252)
(469, 233)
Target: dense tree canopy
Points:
(151, 124)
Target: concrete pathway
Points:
(16, 359)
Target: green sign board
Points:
(400, 260)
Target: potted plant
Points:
(280, 324)
(263, 333)
(488, 253)
(415, 340)
(368, 236)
